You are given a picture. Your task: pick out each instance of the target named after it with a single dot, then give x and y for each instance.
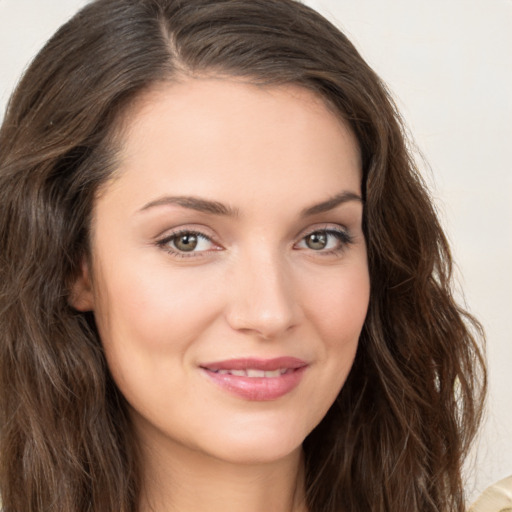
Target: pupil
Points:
(186, 242)
(317, 241)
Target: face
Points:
(229, 276)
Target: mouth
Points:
(257, 379)
(253, 372)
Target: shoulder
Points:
(496, 498)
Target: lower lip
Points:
(258, 388)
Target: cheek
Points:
(338, 308)
(148, 317)
(153, 306)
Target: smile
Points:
(253, 373)
(257, 379)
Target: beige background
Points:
(449, 64)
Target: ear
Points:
(81, 295)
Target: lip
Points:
(257, 388)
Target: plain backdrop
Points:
(449, 66)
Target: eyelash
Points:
(343, 237)
(164, 243)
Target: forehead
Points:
(215, 134)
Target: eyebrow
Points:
(331, 203)
(193, 203)
(216, 208)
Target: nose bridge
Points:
(262, 300)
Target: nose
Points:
(262, 299)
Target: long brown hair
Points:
(397, 435)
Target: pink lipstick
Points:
(257, 379)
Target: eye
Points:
(185, 243)
(325, 240)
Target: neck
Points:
(178, 479)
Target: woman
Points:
(223, 282)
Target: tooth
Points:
(283, 371)
(223, 372)
(256, 373)
(275, 373)
(238, 373)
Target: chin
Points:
(257, 444)
(251, 453)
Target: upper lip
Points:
(276, 363)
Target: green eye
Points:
(325, 241)
(187, 243)
(317, 240)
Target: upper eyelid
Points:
(326, 226)
(202, 231)
(163, 244)
(198, 230)
(170, 236)
(345, 237)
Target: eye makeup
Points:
(192, 243)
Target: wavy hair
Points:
(397, 434)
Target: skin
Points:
(256, 284)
